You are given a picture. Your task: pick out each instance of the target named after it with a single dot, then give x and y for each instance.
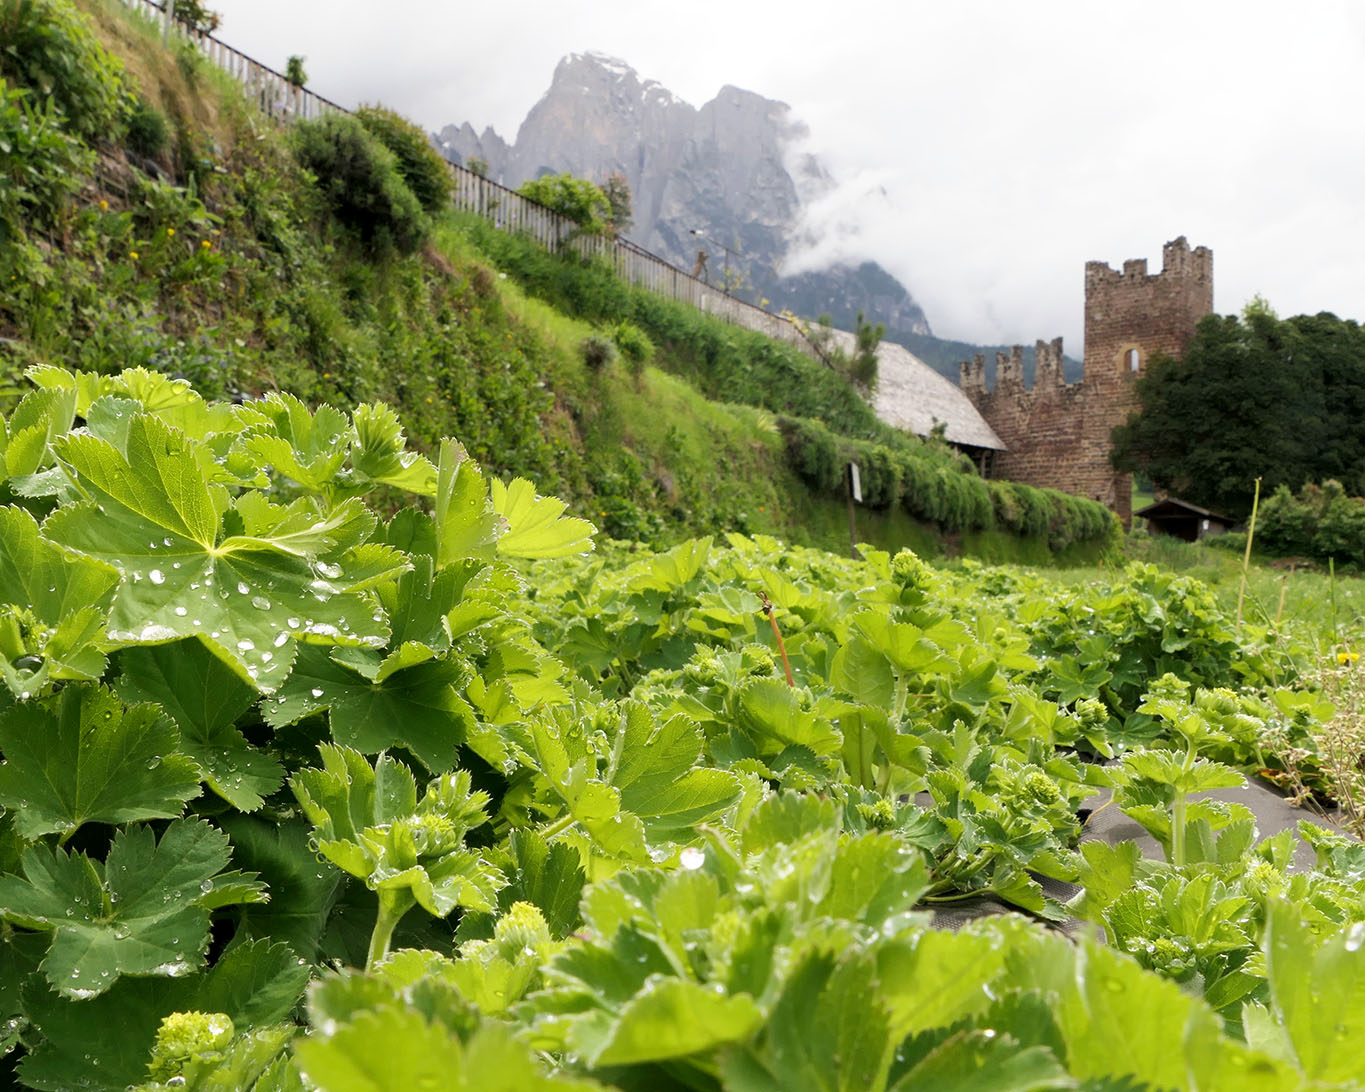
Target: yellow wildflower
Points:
(1345, 658)
(132, 254)
(104, 205)
(170, 231)
(206, 244)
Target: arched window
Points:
(1133, 358)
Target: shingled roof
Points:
(912, 396)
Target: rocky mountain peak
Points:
(728, 178)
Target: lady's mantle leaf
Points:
(141, 913)
(81, 758)
(52, 605)
(534, 524)
(154, 517)
(416, 707)
(369, 822)
(671, 1018)
(205, 698)
(103, 1043)
(394, 1049)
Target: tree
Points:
(617, 192)
(579, 200)
(1255, 396)
(860, 366)
(193, 14)
(293, 70)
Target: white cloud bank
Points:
(985, 150)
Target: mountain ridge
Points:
(729, 178)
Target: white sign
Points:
(855, 482)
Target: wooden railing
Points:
(505, 209)
(274, 95)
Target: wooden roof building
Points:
(1181, 519)
(912, 396)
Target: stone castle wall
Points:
(1057, 433)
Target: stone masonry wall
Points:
(1057, 433)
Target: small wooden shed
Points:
(1183, 520)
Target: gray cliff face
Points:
(724, 178)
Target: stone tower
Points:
(1057, 434)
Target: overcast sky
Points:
(985, 150)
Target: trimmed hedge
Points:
(950, 496)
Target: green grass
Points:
(1323, 609)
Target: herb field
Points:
(328, 765)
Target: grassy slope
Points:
(279, 298)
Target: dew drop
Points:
(156, 576)
(260, 602)
(316, 692)
(181, 612)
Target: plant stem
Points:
(777, 633)
(1332, 587)
(563, 823)
(1178, 809)
(1246, 557)
(1178, 831)
(391, 910)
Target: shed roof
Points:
(1174, 506)
(912, 396)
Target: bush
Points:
(1285, 526)
(361, 182)
(813, 453)
(422, 168)
(579, 200)
(633, 342)
(40, 167)
(47, 47)
(598, 352)
(147, 134)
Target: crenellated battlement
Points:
(1057, 433)
(973, 374)
(1178, 261)
(1009, 370)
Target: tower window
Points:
(1133, 358)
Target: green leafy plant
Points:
(361, 182)
(598, 352)
(294, 72)
(576, 199)
(47, 46)
(425, 172)
(147, 134)
(369, 822)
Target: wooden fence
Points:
(505, 209)
(274, 95)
